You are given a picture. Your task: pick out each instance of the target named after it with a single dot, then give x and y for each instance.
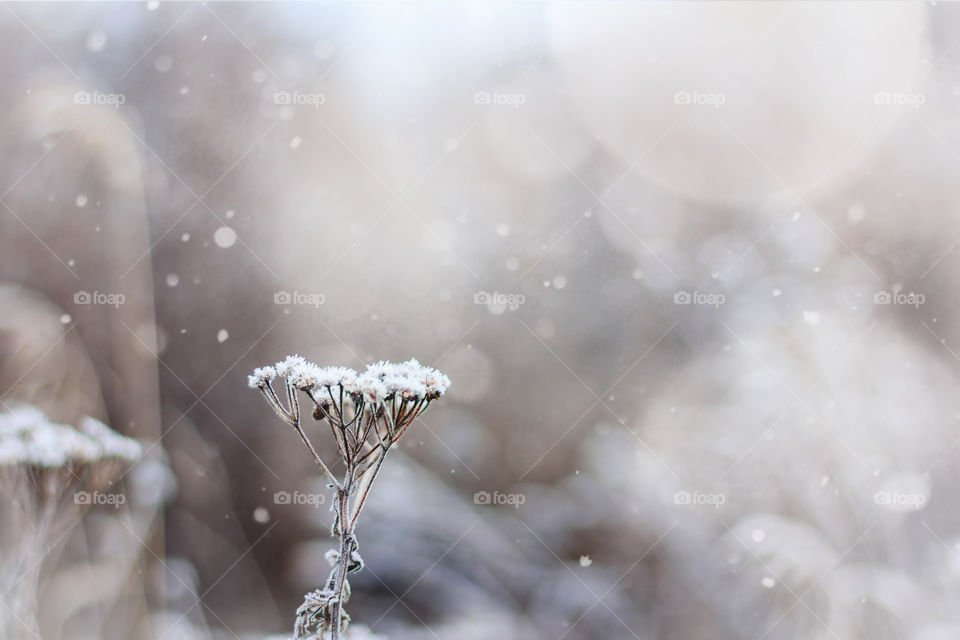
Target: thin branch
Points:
(338, 438)
(274, 403)
(316, 456)
(294, 402)
(336, 407)
(366, 489)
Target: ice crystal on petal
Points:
(304, 376)
(285, 366)
(261, 376)
(333, 376)
(412, 389)
(373, 389)
(381, 369)
(436, 383)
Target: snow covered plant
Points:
(367, 413)
(42, 467)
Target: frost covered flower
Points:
(18, 419)
(41, 442)
(408, 377)
(345, 398)
(78, 447)
(285, 366)
(381, 369)
(304, 376)
(111, 443)
(394, 383)
(367, 414)
(28, 437)
(410, 368)
(373, 390)
(333, 376)
(12, 451)
(411, 389)
(436, 383)
(261, 377)
(47, 445)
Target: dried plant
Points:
(367, 414)
(42, 467)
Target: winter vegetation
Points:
(367, 414)
(45, 471)
(693, 268)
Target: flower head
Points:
(28, 437)
(333, 376)
(12, 451)
(436, 383)
(340, 392)
(411, 368)
(304, 376)
(285, 366)
(412, 389)
(381, 369)
(261, 376)
(110, 443)
(372, 387)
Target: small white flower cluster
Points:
(112, 444)
(380, 382)
(409, 380)
(28, 437)
(367, 413)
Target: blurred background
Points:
(691, 267)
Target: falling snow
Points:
(225, 237)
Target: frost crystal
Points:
(412, 389)
(332, 376)
(374, 391)
(304, 376)
(380, 369)
(382, 381)
(261, 376)
(410, 379)
(284, 367)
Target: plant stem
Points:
(346, 550)
(366, 489)
(316, 457)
